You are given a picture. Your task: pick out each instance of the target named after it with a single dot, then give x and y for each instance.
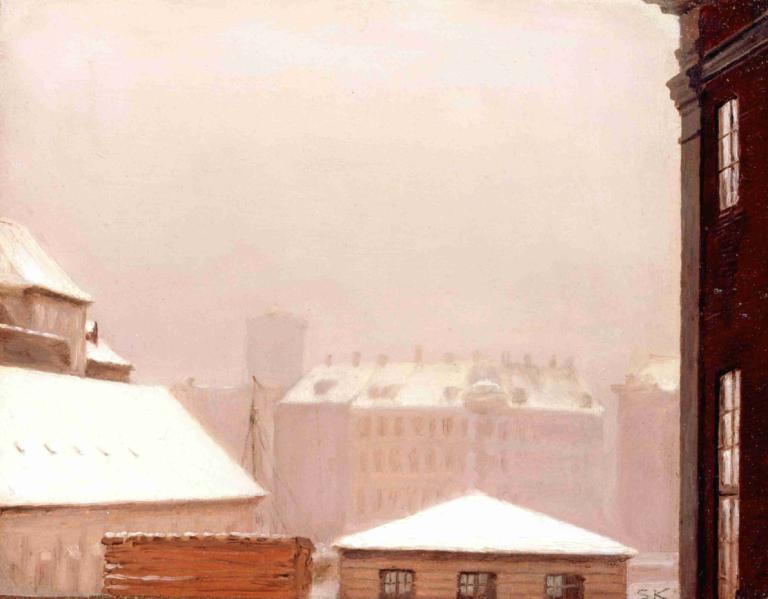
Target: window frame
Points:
(479, 590)
(728, 154)
(569, 581)
(728, 451)
(409, 581)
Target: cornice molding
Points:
(735, 49)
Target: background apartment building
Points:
(369, 442)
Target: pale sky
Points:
(492, 175)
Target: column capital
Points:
(677, 7)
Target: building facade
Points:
(477, 547)
(647, 467)
(721, 93)
(381, 440)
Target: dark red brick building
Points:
(722, 94)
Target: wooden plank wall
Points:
(208, 566)
(518, 577)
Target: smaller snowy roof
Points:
(477, 523)
(659, 371)
(26, 265)
(103, 354)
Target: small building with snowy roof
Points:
(384, 439)
(479, 547)
(81, 457)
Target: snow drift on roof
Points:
(477, 523)
(26, 265)
(66, 440)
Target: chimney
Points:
(527, 360)
(553, 362)
(356, 359)
(418, 355)
(449, 358)
(476, 356)
(329, 359)
(381, 360)
(92, 332)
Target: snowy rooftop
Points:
(660, 371)
(99, 351)
(67, 440)
(450, 383)
(26, 265)
(478, 523)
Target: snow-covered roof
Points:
(477, 523)
(659, 371)
(103, 354)
(26, 265)
(450, 383)
(67, 440)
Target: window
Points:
(728, 450)
(364, 426)
(382, 427)
(728, 153)
(396, 584)
(477, 585)
(565, 586)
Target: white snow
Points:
(25, 265)
(477, 523)
(443, 384)
(67, 440)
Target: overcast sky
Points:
(486, 174)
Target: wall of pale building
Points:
(49, 314)
(549, 461)
(390, 462)
(406, 460)
(275, 349)
(58, 551)
(436, 575)
(312, 457)
(648, 466)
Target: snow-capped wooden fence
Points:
(207, 565)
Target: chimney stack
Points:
(553, 362)
(418, 355)
(449, 358)
(329, 359)
(382, 360)
(356, 359)
(527, 360)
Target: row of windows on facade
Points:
(393, 461)
(395, 501)
(486, 428)
(401, 584)
(396, 460)
(384, 426)
(728, 451)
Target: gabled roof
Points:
(478, 523)
(26, 265)
(67, 440)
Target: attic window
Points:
(477, 585)
(324, 385)
(564, 586)
(396, 584)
